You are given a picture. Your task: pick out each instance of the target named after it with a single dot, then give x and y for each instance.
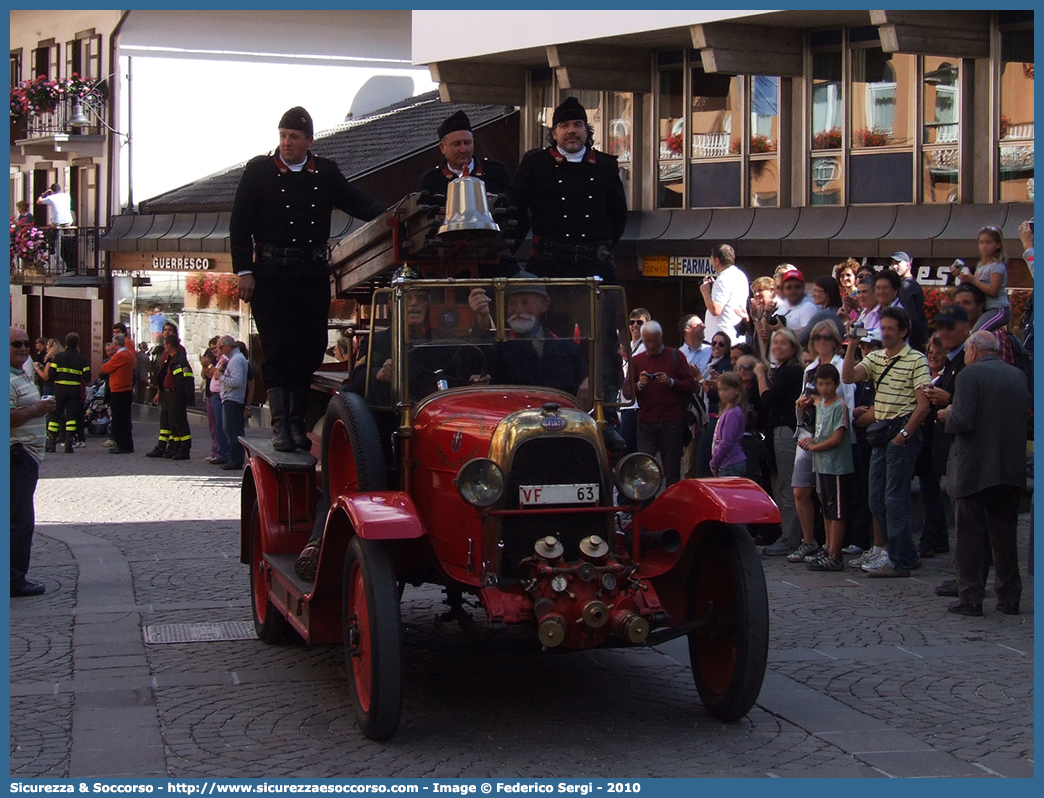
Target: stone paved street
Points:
(866, 678)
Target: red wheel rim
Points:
(257, 567)
(360, 637)
(716, 648)
(344, 477)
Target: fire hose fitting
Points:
(551, 627)
(630, 626)
(594, 613)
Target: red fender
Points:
(384, 515)
(689, 505)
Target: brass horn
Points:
(467, 210)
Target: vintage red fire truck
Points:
(437, 461)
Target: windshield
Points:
(500, 332)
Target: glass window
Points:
(620, 113)
(827, 110)
(1016, 116)
(592, 103)
(715, 101)
(827, 182)
(763, 171)
(882, 98)
(671, 144)
(543, 110)
(940, 130)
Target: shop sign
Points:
(675, 266)
(655, 266)
(182, 264)
(691, 267)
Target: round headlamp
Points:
(638, 477)
(480, 482)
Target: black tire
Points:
(728, 658)
(372, 637)
(270, 625)
(352, 458)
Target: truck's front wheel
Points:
(728, 594)
(372, 637)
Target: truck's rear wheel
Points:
(352, 458)
(372, 637)
(727, 589)
(269, 624)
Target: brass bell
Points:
(467, 210)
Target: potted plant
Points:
(827, 139)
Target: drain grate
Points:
(199, 632)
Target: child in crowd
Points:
(727, 457)
(990, 277)
(832, 463)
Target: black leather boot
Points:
(157, 450)
(279, 405)
(298, 408)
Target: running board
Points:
(281, 461)
(283, 565)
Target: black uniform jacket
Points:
(69, 369)
(516, 362)
(277, 206)
(580, 204)
(181, 371)
(493, 173)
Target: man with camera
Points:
(725, 294)
(796, 308)
(900, 375)
(664, 382)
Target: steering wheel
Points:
(445, 359)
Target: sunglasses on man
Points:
(20, 344)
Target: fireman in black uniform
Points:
(69, 372)
(279, 232)
(177, 392)
(575, 198)
(457, 145)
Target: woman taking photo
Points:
(760, 308)
(825, 346)
(780, 389)
(991, 277)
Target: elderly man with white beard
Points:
(532, 355)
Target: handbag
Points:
(880, 433)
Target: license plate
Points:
(529, 495)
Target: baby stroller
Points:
(96, 413)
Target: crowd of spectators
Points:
(839, 398)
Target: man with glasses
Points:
(629, 414)
(28, 434)
(796, 309)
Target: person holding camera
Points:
(900, 374)
(664, 383)
(28, 433)
(725, 295)
(990, 277)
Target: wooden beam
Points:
(574, 77)
(599, 57)
(737, 49)
(476, 72)
(961, 34)
(482, 93)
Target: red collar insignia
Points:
(283, 168)
(449, 174)
(589, 156)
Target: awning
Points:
(924, 231)
(191, 232)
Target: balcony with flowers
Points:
(60, 118)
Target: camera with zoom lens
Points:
(777, 321)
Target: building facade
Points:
(66, 140)
(795, 136)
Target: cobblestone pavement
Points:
(865, 678)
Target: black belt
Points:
(291, 256)
(579, 253)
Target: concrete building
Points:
(69, 291)
(798, 136)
